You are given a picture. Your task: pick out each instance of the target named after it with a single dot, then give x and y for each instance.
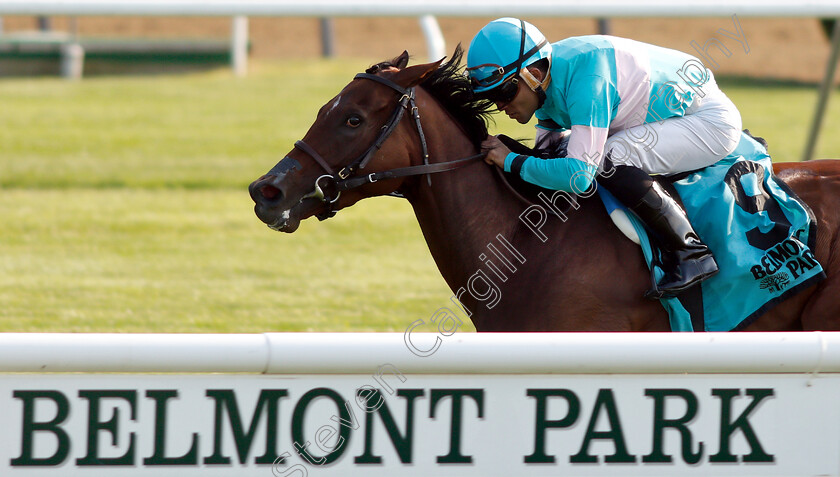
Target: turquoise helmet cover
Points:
(499, 46)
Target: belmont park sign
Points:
(290, 426)
(391, 421)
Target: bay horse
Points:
(580, 275)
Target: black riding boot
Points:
(685, 259)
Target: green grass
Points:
(124, 206)
(180, 260)
(782, 113)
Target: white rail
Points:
(565, 8)
(462, 353)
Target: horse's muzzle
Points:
(268, 199)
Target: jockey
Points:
(628, 110)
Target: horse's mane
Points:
(450, 86)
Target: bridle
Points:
(328, 187)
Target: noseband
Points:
(328, 187)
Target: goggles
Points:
(491, 74)
(502, 94)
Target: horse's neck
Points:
(469, 217)
(460, 215)
(463, 211)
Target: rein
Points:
(337, 182)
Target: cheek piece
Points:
(535, 85)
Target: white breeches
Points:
(709, 131)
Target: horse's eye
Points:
(353, 121)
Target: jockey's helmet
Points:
(501, 49)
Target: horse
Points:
(577, 274)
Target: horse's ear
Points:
(401, 61)
(414, 75)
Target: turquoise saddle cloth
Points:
(760, 233)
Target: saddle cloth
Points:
(761, 235)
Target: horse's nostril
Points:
(269, 192)
(263, 191)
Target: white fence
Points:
(420, 404)
(424, 9)
(566, 8)
(423, 353)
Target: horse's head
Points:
(356, 134)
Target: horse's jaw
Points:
(279, 220)
(284, 223)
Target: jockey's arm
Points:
(590, 106)
(573, 173)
